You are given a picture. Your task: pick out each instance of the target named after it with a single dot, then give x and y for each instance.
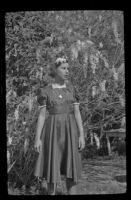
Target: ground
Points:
(102, 175)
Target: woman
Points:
(59, 138)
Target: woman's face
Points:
(63, 71)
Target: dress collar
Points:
(55, 85)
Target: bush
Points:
(89, 152)
(120, 147)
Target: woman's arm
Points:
(80, 126)
(40, 123)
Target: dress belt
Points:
(61, 109)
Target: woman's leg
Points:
(71, 186)
(51, 187)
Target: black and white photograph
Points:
(65, 102)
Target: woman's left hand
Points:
(81, 143)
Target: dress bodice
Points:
(50, 96)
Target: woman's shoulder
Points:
(74, 90)
(45, 89)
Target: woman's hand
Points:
(38, 145)
(81, 143)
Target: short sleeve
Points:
(76, 96)
(42, 97)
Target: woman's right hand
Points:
(38, 145)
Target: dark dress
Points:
(60, 136)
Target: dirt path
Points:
(103, 176)
(99, 176)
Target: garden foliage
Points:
(93, 42)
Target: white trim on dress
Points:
(76, 103)
(55, 85)
(42, 106)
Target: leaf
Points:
(85, 69)
(93, 67)
(74, 51)
(115, 74)
(121, 68)
(100, 44)
(48, 39)
(26, 145)
(9, 140)
(10, 167)
(14, 93)
(26, 32)
(100, 18)
(38, 55)
(102, 85)
(78, 45)
(8, 157)
(91, 136)
(97, 140)
(104, 60)
(94, 91)
(60, 48)
(16, 114)
(94, 59)
(86, 57)
(114, 26)
(89, 43)
(30, 103)
(122, 100)
(123, 121)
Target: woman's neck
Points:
(59, 81)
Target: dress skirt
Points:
(60, 154)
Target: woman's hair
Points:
(57, 63)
